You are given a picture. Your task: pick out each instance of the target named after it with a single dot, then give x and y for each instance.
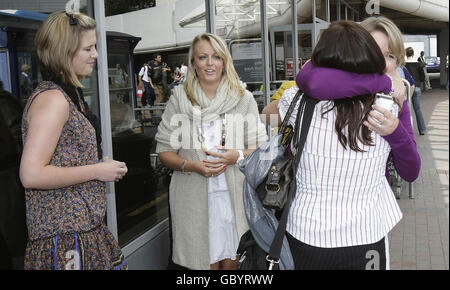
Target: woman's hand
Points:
(111, 170)
(227, 157)
(381, 121)
(207, 168)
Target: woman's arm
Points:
(405, 155)
(399, 134)
(270, 114)
(204, 168)
(328, 83)
(46, 118)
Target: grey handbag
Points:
(265, 246)
(273, 191)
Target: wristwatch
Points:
(240, 158)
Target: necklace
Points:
(201, 137)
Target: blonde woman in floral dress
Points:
(60, 169)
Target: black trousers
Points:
(363, 257)
(149, 94)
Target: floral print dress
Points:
(66, 226)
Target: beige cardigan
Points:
(188, 193)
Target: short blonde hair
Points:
(230, 75)
(387, 26)
(56, 43)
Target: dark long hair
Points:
(347, 46)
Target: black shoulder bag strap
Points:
(305, 108)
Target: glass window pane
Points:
(141, 200)
(333, 10)
(321, 9)
(142, 195)
(343, 11)
(4, 70)
(115, 7)
(284, 57)
(239, 23)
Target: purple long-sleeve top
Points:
(328, 83)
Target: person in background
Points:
(121, 77)
(284, 86)
(25, 82)
(121, 81)
(184, 71)
(176, 76)
(158, 71)
(268, 110)
(61, 166)
(206, 202)
(415, 68)
(7, 149)
(13, 231)
(410, 79)
(146, 81)
(421, 60)
(446, 69)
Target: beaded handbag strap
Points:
(289, 111)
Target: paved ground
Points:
(421, 240)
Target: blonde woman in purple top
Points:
(397, 130)
(344, 207)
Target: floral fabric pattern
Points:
(69, 223)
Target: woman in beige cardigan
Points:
(210, 123)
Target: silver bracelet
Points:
(182, 165)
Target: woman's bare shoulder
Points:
(52, 100)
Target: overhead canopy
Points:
(242, 16)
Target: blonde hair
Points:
(230, 75)
(395, 38)
(56, 43)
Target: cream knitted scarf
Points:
(207, 110)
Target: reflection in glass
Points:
(115, 7)
(283, 52)
(239, 22)
(141, 196)
(334, 10)
(343, 11)
(4, 70)
(321, 9)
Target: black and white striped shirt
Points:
(343, 198)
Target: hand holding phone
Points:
(383, 119)
(385, 101)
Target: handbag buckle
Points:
(277, 187)
(272, 262)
